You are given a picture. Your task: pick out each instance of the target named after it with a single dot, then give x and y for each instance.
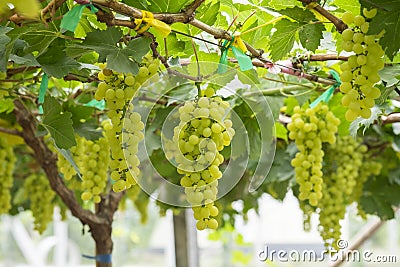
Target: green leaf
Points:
(379, 196)
(103, 42)
(385, 93)
(388, 74)
(55, 61)
(310, 36)
(4, 39)
(58, 124)
(88, 129)
(388, 5)
(352, 6)
(207, 14)
(281, 132)
(6, 105)
(390, 22)
(299, 14)
(283, 38)
(279, 4)
(28, 60)
(281, 169)
(119, 58)
(249, 77)
(365, 123)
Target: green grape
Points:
(360, 72)
(118, 89)
(37, 189)
(203, 131)
(7, 162)
(348, 17)
(93, 163)
(344, 166)
(322, 125)
(369, 14)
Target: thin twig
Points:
(10, 131)
(339, 24)
(197, 58)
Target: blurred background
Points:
(278, 226)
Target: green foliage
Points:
(58, 123)
(283, 39)
(387, 19)
(121, 59)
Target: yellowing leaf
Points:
(27, 8)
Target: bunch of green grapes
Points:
(65, 167)
(310, 128)
(92, 158)
(342, 170)
(7, 162)
(118, 89)
(370, 168)
(204, 130)
(37, 189)
(360, 72)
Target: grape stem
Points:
(10, 131)
(339, 24)
(391, 118)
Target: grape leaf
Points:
(388, 74)
(207, 14)
(55, 61)
(279, 4)
(281, 132)
(348, 5)
(282, 39)
(6, 105)
(121, 59)
(379, 196)
(298, 14)
(388, 5)
(310, 36)
(58, 123)
(388, 19)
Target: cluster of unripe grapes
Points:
(92, 158)
(204, 130)
(7, 162)
(310, 128)
(41, 197)
(344, 161)
(360, 72)
(124, 127)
